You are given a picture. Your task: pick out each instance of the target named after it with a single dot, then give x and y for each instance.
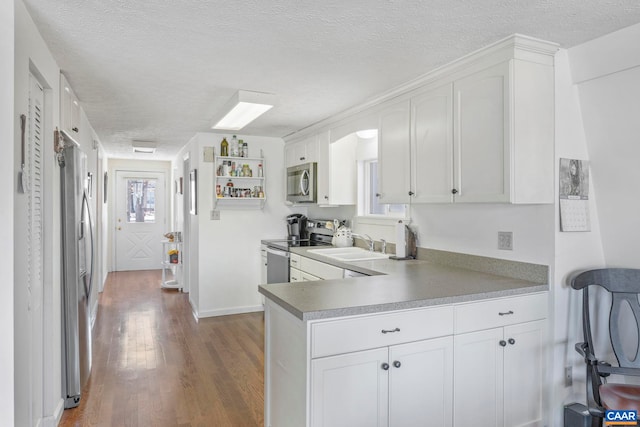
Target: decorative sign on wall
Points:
(574, 195)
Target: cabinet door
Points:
(432, 146)
(295, 154)
(393, 154)
(421, 387)
(350, 390)
(324, 169)
(481, 136)
(69, 109)
(478, 386)
(524, 374)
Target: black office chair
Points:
(624, 286)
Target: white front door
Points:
(139, 220)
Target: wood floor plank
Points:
(154, 365)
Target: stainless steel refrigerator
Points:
(77, 273)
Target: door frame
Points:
(113, 204)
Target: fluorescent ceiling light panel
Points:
(243, 108)
(146, 147)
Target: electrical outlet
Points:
(568, 376)
(215, 215)
(505, 240)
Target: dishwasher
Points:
(277, 265)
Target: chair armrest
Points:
(583, 349)
(616, 370)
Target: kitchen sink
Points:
(349, 254)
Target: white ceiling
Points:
(160, 69)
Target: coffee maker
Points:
(297, 228)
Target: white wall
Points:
(228, 265)
(37, 389)
(608, 78)
(573, 251)
(8, 120)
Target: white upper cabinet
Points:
(304, 151)
(394, 154)
(69, 110)
(479, 130)
(432, 145)
(481, 136)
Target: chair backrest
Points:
(624, 286)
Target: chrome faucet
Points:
(384, 246)
(366, 238)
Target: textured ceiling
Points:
(159, 70)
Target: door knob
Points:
(503, 343)
(385, 366)
(512, 341)
(397, 364)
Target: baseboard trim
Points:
(228, 311)
(54, 419)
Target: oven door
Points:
(277, 266)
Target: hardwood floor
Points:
(154, 365)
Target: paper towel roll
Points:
(401, 240)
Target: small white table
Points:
(171, 271)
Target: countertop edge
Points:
(396, 306)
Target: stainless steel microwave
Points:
(302, 183)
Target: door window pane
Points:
(141, 200)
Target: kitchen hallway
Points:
(154, 365)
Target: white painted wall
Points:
(8, 175)
(32, 54)
(573, 251)
(609, 86)
(228, 264)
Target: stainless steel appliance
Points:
(314, 232)
(77, 274)
(301, 183)
(277, 265)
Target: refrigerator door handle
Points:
(85, 205)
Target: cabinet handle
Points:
(385, 366)
(411, 193)
(378, 195)
(505, 313)
(74, 129)
(512, 341)
(397, 364)
(302, 158)
(326, 197)
(388, 331)
(454, 191)
(502, 343)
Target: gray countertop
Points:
(394, 285)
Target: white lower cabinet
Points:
(477, 363)
(499, 375)
(402, 385)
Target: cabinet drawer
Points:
(499, 312)
(360, 333)
(320, 269)
(294, 261)
(295, 275)
(306, 277)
